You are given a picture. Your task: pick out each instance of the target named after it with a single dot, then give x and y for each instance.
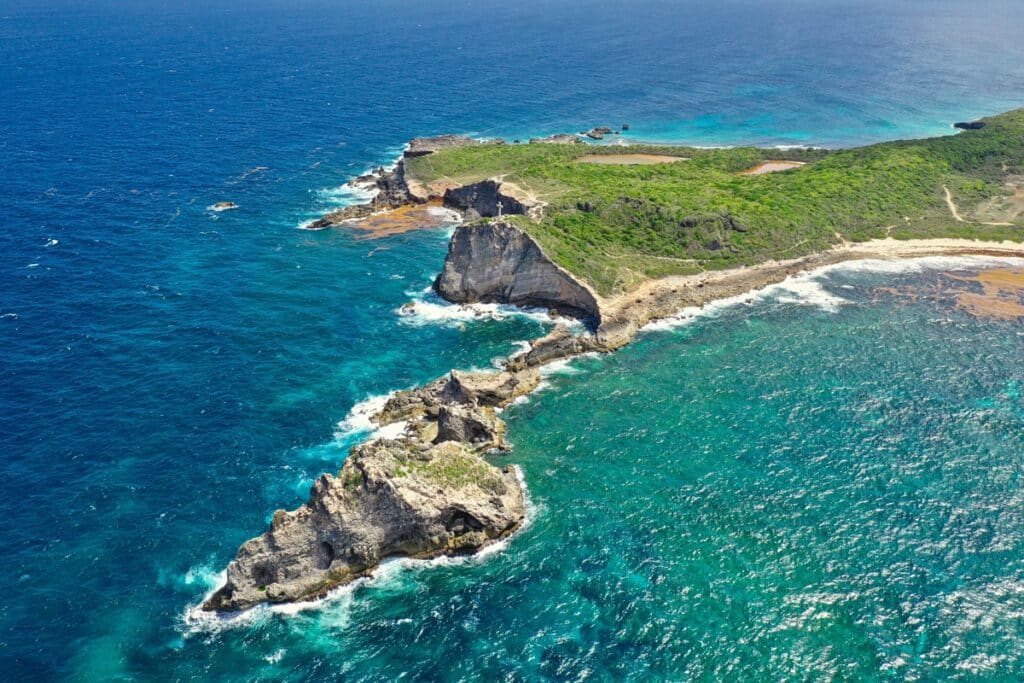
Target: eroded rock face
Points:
(498, 262)
(559, 343)
(472, 425)
(969, 125)
(491, 388)
(391, 498)
(485, 389)
(483, 199)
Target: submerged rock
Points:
(392, 498)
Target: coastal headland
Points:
(616, 245)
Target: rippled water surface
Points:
(825, 481)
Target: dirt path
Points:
(951, 205)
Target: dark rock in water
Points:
(594, 135)
(969, 125)
(392, 192)
(483, 198)
(604, 130)
(391, 498)
(559, 343)
(625, 126)
(340, 216)
(421, 146)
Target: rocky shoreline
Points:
(429, 492)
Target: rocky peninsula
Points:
(429, 492)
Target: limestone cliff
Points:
(497, 262)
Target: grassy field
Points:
(615, 225)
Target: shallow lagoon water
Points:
(780, 489)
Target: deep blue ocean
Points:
(826, 483)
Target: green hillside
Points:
(615, 225)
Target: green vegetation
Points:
(352, 480)
(615, 225)
(452, 466)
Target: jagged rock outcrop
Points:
(469, 424)
(969, 125)
(557, 344)
(490, 389)
(498, 262)
(392, 192)
(391, 498)
(482, 199)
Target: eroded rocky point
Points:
(399, 498)
(425, 494)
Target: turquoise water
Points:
(823, 483)
(783, 490)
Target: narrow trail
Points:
(956, 214)
(952, 206)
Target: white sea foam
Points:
(204, 576)
(805, 290)
(51, 243)
(195, 621)
(359, 421)
(427, 308)
(345, 195)
(562, 366)
(923, 264)
(808, 288)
